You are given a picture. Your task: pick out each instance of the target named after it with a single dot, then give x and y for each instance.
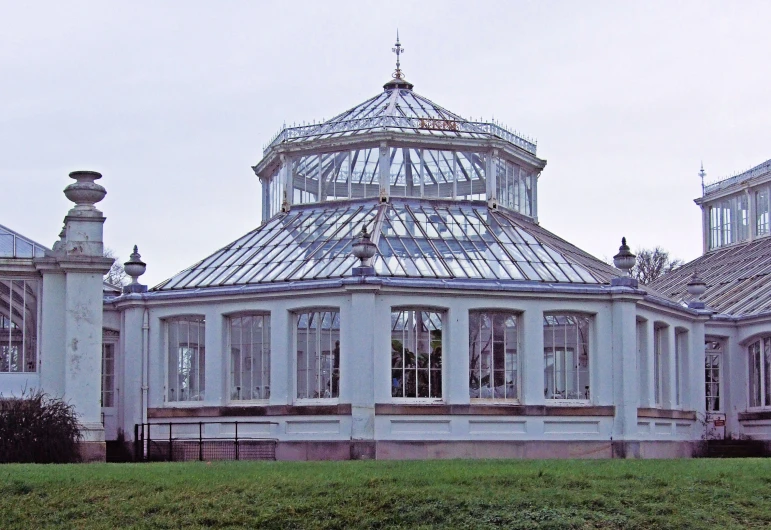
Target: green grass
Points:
(434, 494)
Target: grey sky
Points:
(173, 101)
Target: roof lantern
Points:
(399, 144)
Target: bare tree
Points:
(651, 263)
(116, 276)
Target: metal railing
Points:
(346, 127)
(155, 442)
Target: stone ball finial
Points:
(85, 192)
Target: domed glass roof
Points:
(415, 238)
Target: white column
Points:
(385, 171)
(751, 229)
(131, 339)
(532, 363)
(287, 184)
(670, 378)
(52, 360)
(624, 378)
(281, 356)
(705, 227)
(357, 363)
(217, 361)
(455, 361)
(694, 369)
(490, 174)
(650, 372)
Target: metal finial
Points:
(702, 174)
(398, 50)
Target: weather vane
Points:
(398, 50)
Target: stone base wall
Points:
(92, 452)
(411, 450)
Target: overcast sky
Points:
(173, 102)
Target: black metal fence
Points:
(183, 442)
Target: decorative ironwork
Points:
(756, 171)
(400, 110)
(398, 50)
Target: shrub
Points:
(38, 428)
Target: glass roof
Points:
(14, 245)
(415, 239)
(400, 109)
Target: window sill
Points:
(672, 414)
(758, 414)
(497, 409)
(241, 411)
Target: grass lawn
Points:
(435, 494)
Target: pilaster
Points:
(357, 364)
(532, 363)
(624, 361)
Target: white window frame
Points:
(442, 314)
(109, 344)
(331, 400)
(474, 346)
(201, 357)
(720, 355)
(764, 353)
(28, 365)
(263, 386)
(586, 398)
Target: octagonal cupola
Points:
(399, 144)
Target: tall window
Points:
(318, 354)
(108, 375)
(187, 359)
(713, 356)
(760, 373)
(18, 325)
(493, 355)
(762, 211)
(566, 356)
(729, 221)
(416, 353)
(249, 357)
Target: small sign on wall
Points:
(719, 423)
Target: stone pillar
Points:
(456, 358)
(532, 356)
(625, 375)
(281, 356)
(80, 255)
(357, 371)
